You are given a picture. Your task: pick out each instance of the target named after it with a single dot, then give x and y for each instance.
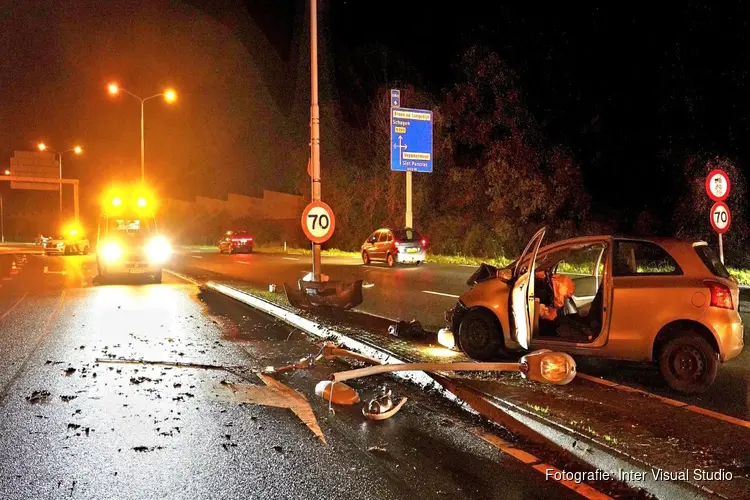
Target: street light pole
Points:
(2, 220)
(169, 96)
(60, 188)
(315, 125)
(143, 146)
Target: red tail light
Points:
(721, 295)
(424, 243)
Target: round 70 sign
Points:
(318, 222)
(721, 217)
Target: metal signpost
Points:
(411, 145)
(717, 187)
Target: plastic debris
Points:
(340, 394)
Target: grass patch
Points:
(741, 275)
(541, 410)
(278, 298)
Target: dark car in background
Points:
(235, 242)
(395, 246)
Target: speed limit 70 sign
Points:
(318, 222)
(721, 217)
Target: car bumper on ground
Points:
(410, 257)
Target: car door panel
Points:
(522, 302)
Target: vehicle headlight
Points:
(60, 245)
(111, 251)
(158, 250)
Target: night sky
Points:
(631, 90)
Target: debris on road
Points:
(381, 407)
(411, 330)
(38, 397)
(340, 394)
(275, 394)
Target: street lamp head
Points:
(42, 146)
(7, 171)
(113, 88)
(170, 95)
(78, 150)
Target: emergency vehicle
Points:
(128, 239)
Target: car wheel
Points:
(390, 260)
(86, 250)
(479, 334)
(157, 277)
(419, 262)
(366, 258)
(688, 363)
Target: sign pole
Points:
(60, 188)
(721, 248)
(409, 214)
(314, 126)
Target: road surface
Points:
(425, 292)
(77, 421)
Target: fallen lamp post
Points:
(544, 366)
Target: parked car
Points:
(67, 245)
(236, 241)
(394, 246)
(666, 301)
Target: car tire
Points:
(479, 334)
(688, 363)
(419, 263)
(157, 277)
(366, 258)
(86, 250)
(390, 260)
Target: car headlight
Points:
(111, 251)
(158, 250)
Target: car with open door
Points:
(659, 300)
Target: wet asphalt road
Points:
(75, 427)
(402, 293)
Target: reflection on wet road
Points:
(77, 421)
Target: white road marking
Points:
(467, 265)
(368, 285)
(197, 256)
(290, 258)
(242, 262)
(442, 294)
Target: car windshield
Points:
(132, 227)
(406, 235)
(712, 261)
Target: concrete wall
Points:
(272, 206)
(272, 218)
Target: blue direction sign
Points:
(395, 98)
(411, 140)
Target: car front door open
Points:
(522, 294)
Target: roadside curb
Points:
(597, 455)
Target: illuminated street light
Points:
(7, 172)
(169, 95)
(43, 147)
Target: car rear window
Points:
(406, 235)
(712, 261)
